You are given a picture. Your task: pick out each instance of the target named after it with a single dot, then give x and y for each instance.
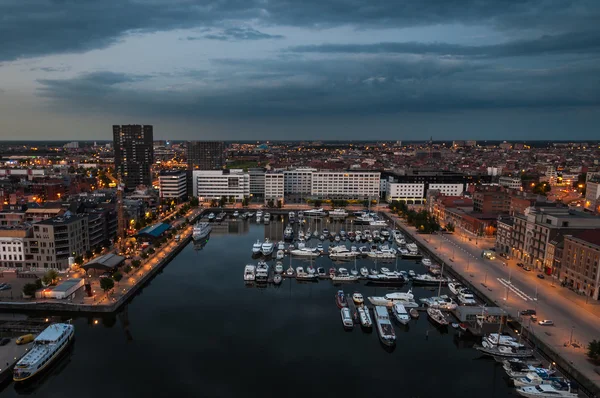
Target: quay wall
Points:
(546, 351)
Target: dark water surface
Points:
(197, 331)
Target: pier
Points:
(9, 355)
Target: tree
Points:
(245, 202)
(279, 204)
(594, 350)
(270, 203)
(450, 227)
(194, 201)
(29, 289)
(127, 269)
(117, 276)
(214, 203)
(541, 188)
(317, 203)
(98, 249)
(50, 277)
(222, 201)
(38, 283)
(79, 260)
(365, 203)
(106, 284)
(89, 254)
(138, 225)
(136, 263)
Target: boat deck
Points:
(9, 355)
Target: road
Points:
(515, 290)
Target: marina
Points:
(302, 306)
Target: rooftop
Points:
(591, 236)
(66, 285)
(61, 220)
(155, 230)
(107, 261)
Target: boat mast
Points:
(441, 276)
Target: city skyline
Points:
(322, 71)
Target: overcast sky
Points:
(305, 69)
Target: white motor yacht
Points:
(257, 247)
(338, 213)
(315, 213)
(346, 318)
(341, 252)
(493, 339)
(343, 276)
(357, 298)
(267, 248)
(364, 317)
(303, 275)
(364, 272)
(426, 262)
(305, 252)
(281, 245)
(455, 287)
(279, 267)
(547, 390)
(201, 230)
(262, 271)
(280, 255)
(249, 273)
(236, 214)
(466, 297)
(400, 313)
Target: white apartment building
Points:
(510, 182)
(416, 192)
(274, 187)
(405, 191)
(12, 248)
(172, 185)
(345, 185)
(448, 189)
(298, 181)
(214, 184)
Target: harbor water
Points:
(197, 330)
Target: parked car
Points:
(4, 341)
(520, 265)
(527, 268)
(27, 338)
(528, 312)
(546, 322)
(5, 286)
(541, 276)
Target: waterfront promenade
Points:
(510, 287)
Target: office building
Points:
(411, 186)
(215, 184)
(274, 187)
(356, 185)
(206, 155)
(172, 185)
(257, 183)
(491, 199)
(134, 154)
(298, 184)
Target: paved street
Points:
(515, 290)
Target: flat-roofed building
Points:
(12, 246)
(214, 184)
(172, 185)
(581, 256)
(274, 187)
(345, 185)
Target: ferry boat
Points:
(384, 326)
(201, 230)
(47, 346)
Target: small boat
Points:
(257, 247)
(288, 233)
(414, 313)
(278, 267)
(277, 278)
(332, 272)
(426, 262)
(211, 217)
(236, 214)
(412, 273)
(280, 254)
(357, 298)
(249, 273)
(281, 245)
(346, 318)
(400, 313)
(340, 299)
(321, 272)
(504, 351)
(426, 279)
(289, 272)
(305, 252)
(454, 325)
(437, 316)
(364, 317)
(555, 389)
(364, 272)
(304, 276)
(343, 276)
(466, 297)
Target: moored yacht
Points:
(262, 271)
(346, 318)
(267, 247)
(315, 213)
(47, 346)
(338, 213)
(466, 297)
(343, 276)
(384, 326)
(305, 252)
(555, 389)
(364, 317)
(400, 313)
(201, 230)
(249, 273)
(437, 316)
(288, 233)
(257, 247)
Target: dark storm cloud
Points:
(340, 87)
(38, 27)
(236, 34)
(573, 42)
